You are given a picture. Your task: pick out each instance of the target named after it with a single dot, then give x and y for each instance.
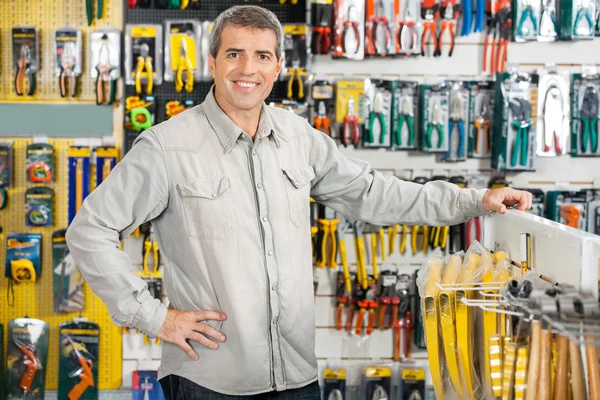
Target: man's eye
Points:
(263, 57)
(233, 55)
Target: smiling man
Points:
(227, 187)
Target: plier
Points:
(407, 34)
(588, 114)
(90, 11)
(376, 114)
(184, 64)
(380, 23)
(322, 32)
(105, 84)
(548, 27)
(450, 14)
(521, 114)
(144, 61)
(435, 122)
(456, 120)
(429, 12)
(67, 81)
(350, 126)
(322, 120)
(482, 126)
(24, 79)
(351, 23)
(528, 14)
(405, 114)
(297, 73)
(554, 115)
(584, 12)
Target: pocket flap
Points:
(205, 188)
(300, 176)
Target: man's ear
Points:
(211, 65)
(279, 66)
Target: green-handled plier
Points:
(376, 114)
(521, 114)
(90, 10)
(588, 114)
(405, 114)
(435, 122)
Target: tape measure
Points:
(38, 216)
(22, 270)
(40, 172)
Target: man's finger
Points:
(209, 330)
(208, 315)
(500, 208)
(187, 349)
(203, 340)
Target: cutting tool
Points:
(105, 84)
(322, 120)
(584, 13)
(351, 24)
(521, 114)
(382, 37)
(359, 247)
(24, 79)
(328, 253)
(322, 31)
(430, 325)
(450, 15)
(376, 115)
(429, 14)
(528, 22)
(482, 123)
(548, 27)
(456, 121)
(297, 74)
(405, 115)
(67, 81)
(554, 115)
(351, 133)
(588, 114)
(407, 41)
(184, 63)
(414, 239)
(437, 123)
(144, 62)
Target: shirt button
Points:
(274, 287)
(275, 320)
(253, 152)
(259, 186)
(214, 195)
(270, 252)
(264, 219)
(296, 183)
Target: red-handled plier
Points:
(350, 126)
(430, 14)
(450, 13)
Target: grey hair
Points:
(250, 17)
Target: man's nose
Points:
(248, 66)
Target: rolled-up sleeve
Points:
(353, 188)
(136, 191)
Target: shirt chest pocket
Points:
(297, 184)
(208, 208)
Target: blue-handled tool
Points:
(457, 121)
(479, 15)
(467, 16)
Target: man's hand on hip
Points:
(498, 199)
(179, 326)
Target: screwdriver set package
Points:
(515, 121)
(553, 113)
(585, 103)
(481, 111)
(526, 15)
(408, 28)
(296, 44)
(39, 206)
(322, 93)
(577, 19)
(67, 59)
(26, 357)
(376, 382)
(26, 58)
(378, 113)
(334, 380)
(412, 382)
(379, 25)
(66, 278)
(349, 101)
(143, 57)
(182, 55)
(459, 116)
(349, 30)
(78, 360)
(321, 12)
(434, 103)
(568, 207)
(6, 163)
(405, 106)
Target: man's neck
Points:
(246, 119)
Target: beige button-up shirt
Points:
(231, 216)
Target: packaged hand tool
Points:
(404, 110)
(322, 95)
(419, 334)
(26, 58)
(430, 14)
(481, 111)
(205, 75)
(145, 386)
(182, 53)
(67, 280)
(459, 99)
(6, 163)
(298, 108)
(593, 223)
(585, 98)
(105, 63)
(407, 28)
(548, 29)
(106, 160)
(515, 122)
(526, 14)
(296, 43)
(449, 13)
(143, 57)
(151, 259)
(349, 29)
(40, 162)
(498, 33)
(78, 361)
(376, 382)
(321, 12)
(412, 383)
(349, 102)
(79, 178)
(26, 357)
(434, 118)
(380, 17)
(577, 19)
(553, 113)
(140, 113)
(23, 257)
(39, 206)
(378, 115)
(386, 292)
(569, 208)
(334, 380)
(67, 59)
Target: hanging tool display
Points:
(334, 381)
(321, 23)
(39, 206)
(450, 11)
(577, 19)
(67, 61)
(527, 15)
(6, 164)
(407, 34)
(322, 93)
(585, 114)
(548, 22)
(378, 96)
(182, 57)
(106, 160)
(481, 111)
(376, 382)
(106, 60)
(79, 178)
(89, 10)
(459, 117)
(405, 104)
(569, 208)
(499, 28)
(39, 163)
(553, 114)
(378, 29)
(429, 15)
(23, 258)
(520, 110)
(26, 58)
(78, 361)
(434, 121)
(322, 121)
(349, 29)
(297, 46)
(143, 57)
(349, 96)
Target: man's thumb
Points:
(501, 208)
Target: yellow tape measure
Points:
(22, 270)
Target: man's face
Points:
(245, 67)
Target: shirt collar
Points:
(227, 131)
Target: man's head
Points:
(245, 59)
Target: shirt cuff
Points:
(471, 202)
(150, 317)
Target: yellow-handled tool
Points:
(430, 325)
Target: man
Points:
(227, 186)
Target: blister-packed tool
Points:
(67, 59)
(593, 222)
(577, 19)
(182, 55)
(430, 14)
(334, 380)
(376, 382)
(481, 111)
(67, 279)
(105, 63)
(553, 113)
(449, 13)
(39, 206)
(527, 19)
(25, 58)
(538, 202)
(322, 93)
(405, 110)
(378, 102)
(348, 104)
(548, 31)
(297, 55)
(349, 29)
(585, 114)
(412, 382)
(143, 57)
(459, 99)
(434, 118)
(379, 40)
(6, 163)
(407, 28)
(78, 361)
(321, 12)
(39, 163)
(568, 207)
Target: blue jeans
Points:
(178, 388)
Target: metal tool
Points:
(437, 123)
(144, 62)
(24, 79)
(450, 14)
(584, 13)
(322, 31)
(548, 27)
(105, 84)
(407, 41)
(456, 121)
(482, 123)
(528, 22)
(429, 15)
(405, 115)
(67, 80)
(351, 133)
(90, 10)
(554, 115)
(521, 114)
(351, 24)
(382, 37)
(376, 114)
(322, 120)
(185, 63)
(588, 114)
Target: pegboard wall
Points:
(287, 13)
(35, 300)
(47, 16)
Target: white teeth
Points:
(246, 84)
